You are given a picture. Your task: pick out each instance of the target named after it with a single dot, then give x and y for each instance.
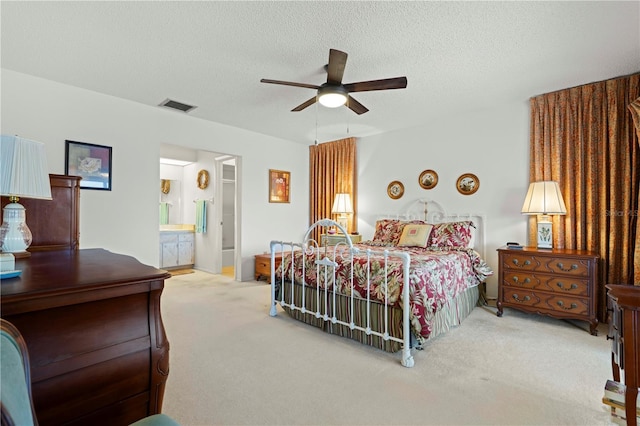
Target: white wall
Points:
(125, 220)
(493, 144)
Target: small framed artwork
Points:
(91, 162)
(428, 179)
(279, 183)
(395, 190)
(467, 184)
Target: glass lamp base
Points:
(15, 235)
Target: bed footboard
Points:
(322, 264)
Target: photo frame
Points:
(91, 162)
(467, 184)
(428, 179)
(279, 186)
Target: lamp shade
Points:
(544, 198)
(23, 168)
(342, 204)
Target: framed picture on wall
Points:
(91, 162)
(279, 183)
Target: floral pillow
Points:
(388, 231)
(451, 234)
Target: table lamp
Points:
(23, 174)
(544, 199)
(342, 206)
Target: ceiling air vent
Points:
(168, 103)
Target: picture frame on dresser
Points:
(93, 163)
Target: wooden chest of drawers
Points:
(263, 266)
(557, 283)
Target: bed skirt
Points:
(449, 316)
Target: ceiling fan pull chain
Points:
(316, 124)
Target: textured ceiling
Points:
(457, 56)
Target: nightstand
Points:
(263, 266)
(554, 282)
(333, 239)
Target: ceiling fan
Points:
(334, 93)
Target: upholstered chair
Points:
(16, 403)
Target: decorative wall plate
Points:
(203, 179)
(467, 184)
(428, 179)
(395, 189)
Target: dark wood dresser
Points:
(91, 320)
(54, 223)
(623, 305)
(557, 283)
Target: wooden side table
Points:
(554, 282)
(263, 266)
(333, 239)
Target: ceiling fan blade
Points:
(384, 84)
(289, 83)
(304, 104)
(335, 68)
(356, 106)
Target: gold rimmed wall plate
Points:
(467, 184)
(395, 189)
(428, 179)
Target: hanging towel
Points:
(201, 216)
(164, 213)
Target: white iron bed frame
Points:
(422, 209)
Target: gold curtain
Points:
(332, 170)
(583, 138)
(635, 113)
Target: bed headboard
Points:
(432, 212)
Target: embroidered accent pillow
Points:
(414, 235)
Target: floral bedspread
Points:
(436, 276)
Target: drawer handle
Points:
(517, 262)
(561, 304)
(573, 286)
(525, 281)
(560, 266)
(611, 337)
(517, 299)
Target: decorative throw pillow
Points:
(387, 231)
(415, 235)
(451, 234)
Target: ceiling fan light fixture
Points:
(332, 96)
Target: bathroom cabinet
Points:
(176, 249)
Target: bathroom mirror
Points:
(170, 202)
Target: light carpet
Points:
(233, 364)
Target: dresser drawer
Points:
(551, 264)
(574, 286)
(546, 301)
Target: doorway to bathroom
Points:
(206, 178)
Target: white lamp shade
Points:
(23, 168)
(544, 198)
(342, 204)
